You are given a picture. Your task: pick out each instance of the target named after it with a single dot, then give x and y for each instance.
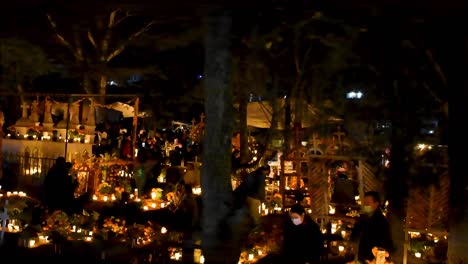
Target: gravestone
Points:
(34, 116)
(24, 122)
(47, 122)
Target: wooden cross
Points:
(339, 135)
(25, 108)
(4, 217)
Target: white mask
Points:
(367, 209)
(296, 221)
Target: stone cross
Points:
(4, 217)
(25, 108)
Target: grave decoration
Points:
(19, 208)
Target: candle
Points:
(31, 243)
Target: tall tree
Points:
(457, 62)
(216, 179)
(94, 43)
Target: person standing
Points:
(58, 187)
(251, 192)
(192, 175)
(302, 238)
(372, 229)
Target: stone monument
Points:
(24, 122)
(47, 122)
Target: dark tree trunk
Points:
(216, 181)
(396, 184)
(457, 145)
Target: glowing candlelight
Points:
(31, 243)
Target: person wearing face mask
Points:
(302, 238)
(372, 229)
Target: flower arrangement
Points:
(57, 226)
(105, 188)
(274, 202)
(140, 235)
(19, 207)
(114, 225)
(34, 132)
(261, 243)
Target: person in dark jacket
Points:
(59, 187)
(302, 238)
(372, 229)
(251, 192)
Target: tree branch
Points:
(62, 40)
(91, 39)
(431, 92)
(113, 23)
(437, 67)
(121, 47)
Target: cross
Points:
(4, 217)
(202, 118)
(193, 122)
(25, 108)
(339, 135)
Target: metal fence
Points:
(23, 169)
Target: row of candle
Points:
(47, 137)
(15, 193)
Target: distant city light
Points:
(354, 95)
